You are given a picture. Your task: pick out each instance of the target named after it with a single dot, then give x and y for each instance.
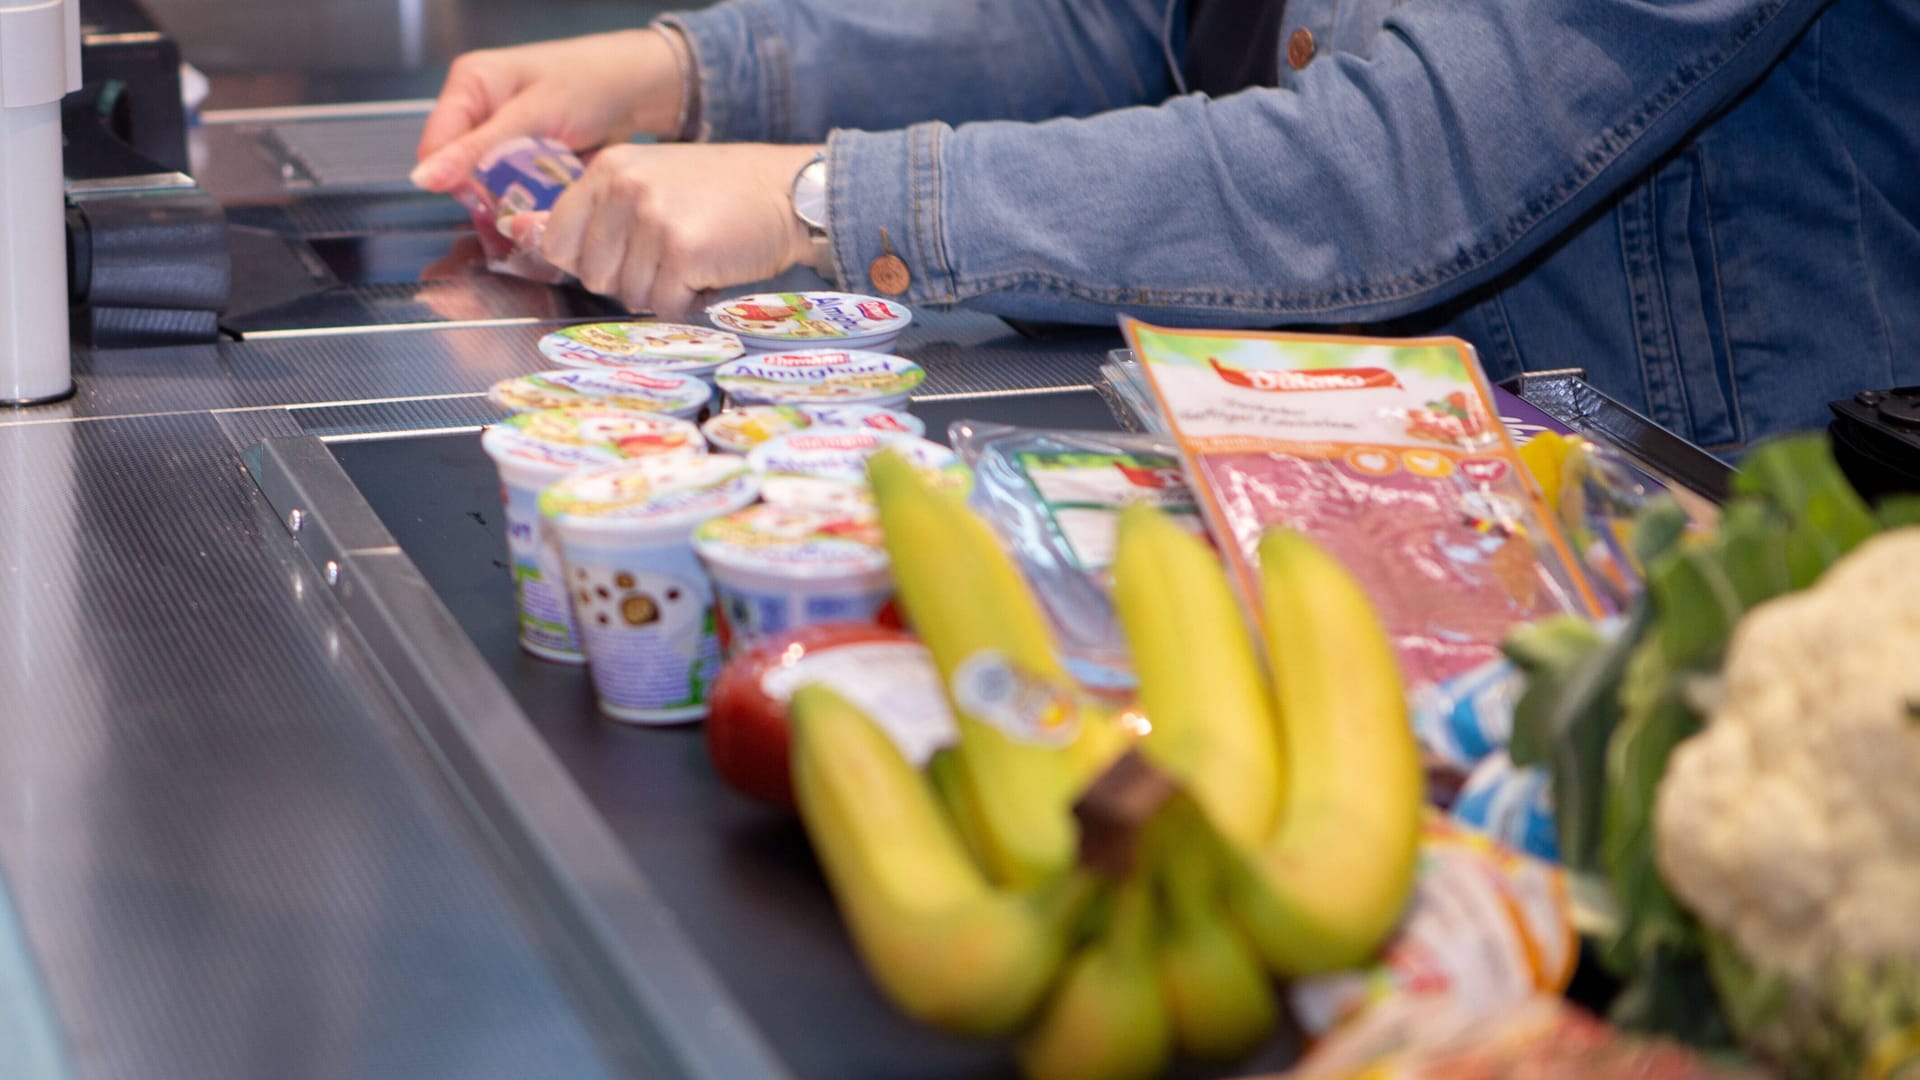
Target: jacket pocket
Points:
(1673, 274)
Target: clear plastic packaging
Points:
(1389, 453)
(1055, 497)
(520, 176)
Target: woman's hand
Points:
(656, 226)
(586, 92)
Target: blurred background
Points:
(283, 52)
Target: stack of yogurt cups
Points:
(641, 554)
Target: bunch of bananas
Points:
(1289, 849)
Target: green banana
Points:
(1106, 1019)
(1218, 996)
(1325, 891)
(945, 946)
(1015, 705)
(1200, 680)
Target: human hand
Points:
(656, 226)
(586, 92)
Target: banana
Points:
(1015, 705)
(1106, 1019)
(1217, 994)
(1327, 888)
(1200, 679)
(945, 946)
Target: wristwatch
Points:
(810, 206)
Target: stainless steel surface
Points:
(371, 151)
(229, 854)
(644, 971)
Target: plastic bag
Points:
(1055, 498)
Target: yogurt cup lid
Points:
(651, 494)
(742, 429)
(794, 541)
(640, 389)
(673, 346)
(868, 417)
(820, 377)
(786, 319)
(842, 453)
(560, 440)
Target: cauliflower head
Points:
(1791, 824)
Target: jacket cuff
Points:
(744, 70)
(885, 197)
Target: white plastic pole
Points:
(39, 64)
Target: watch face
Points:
(810, 194)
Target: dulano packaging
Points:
(522, 175)
(1386, 452)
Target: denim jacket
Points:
(1713, 206)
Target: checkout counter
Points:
(280, 796)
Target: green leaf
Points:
(1659, 527)
(1667, 996)
(1698, 605)
(1799, 477)
(1548, 652)
(1899, 511)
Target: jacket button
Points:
(1300, 48)
(889, 275)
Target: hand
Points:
(586, 92)
(656, 226)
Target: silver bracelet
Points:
(689, 86)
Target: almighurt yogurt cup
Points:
(670, 392)
(737, 431)
(778, 567)
(642, 598)
(533, 450)
(826, 468)
(799, 320)
(815, 377)
(691, 350)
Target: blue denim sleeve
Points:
(1468, 136)
(791, 70)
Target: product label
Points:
(1084, 493)
(619, 388)
(672, 346)
(884, 421)
(815, 377)
(661, 488)
(819, 316)
(592, 434)
(894, 682)
(1389, 455)
(648, 628)
(800, 540)
(546, 618)
(992, 689)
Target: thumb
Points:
(448, 167)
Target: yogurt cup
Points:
(641, 596)
(816, 377)
(692, 350)
(670, 392)
(737, 431)
(533, 450)
(775, 568)
(827, 467)
(800, 319)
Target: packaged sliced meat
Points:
(1387, 452)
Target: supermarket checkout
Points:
(1703, 204)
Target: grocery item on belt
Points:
(1430, 1038)
(1510, 804)
(666, 392)
(828, 467)
(1488, 928)
(820, 377)
(799, 319)
(690, 350)
(1389, 454)
(778, 567)
(738, 431)
(526, 174)
(1055, 499)
(533, 450)
(642, 599)
(885, 671)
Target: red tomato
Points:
(747, 727)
